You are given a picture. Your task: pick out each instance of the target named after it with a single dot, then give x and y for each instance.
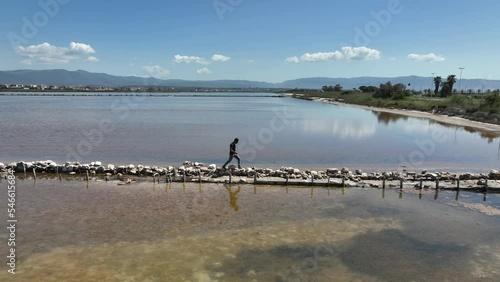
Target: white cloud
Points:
(360, 53)
(292, 60)
(392, 59)
(156, 71)
(92, 59)
(220, 58)
(81, 48)
(27, 62)
(204, 71)
(251, 61)
(321, 56)
(179, 59)
(431, 57)
(346, 53)
(50, 54)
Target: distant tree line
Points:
(386, 90)
(368, 89)
(396, 91)
(336, 88)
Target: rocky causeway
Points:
(199, 172)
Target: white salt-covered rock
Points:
(110, 167)
(2, 166)
(212, 166)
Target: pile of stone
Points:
(198, 169)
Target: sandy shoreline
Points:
(481, 126)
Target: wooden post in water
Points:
(34, 173)
(437, 183)
(230, 178)
(486, 186)
(255, 178)
(421, 184)
(383, 183)
(343, 182)
(328, 185)
(458, 184)
(287, 179)
(401, 183)
(184, 176)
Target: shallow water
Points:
(273, 132)
(99, 231)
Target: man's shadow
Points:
(233, 196)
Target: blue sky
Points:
(265, 40)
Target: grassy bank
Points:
(484, 108)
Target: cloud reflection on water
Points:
(344, 129)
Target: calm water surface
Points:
(273, 132)
(74, 231)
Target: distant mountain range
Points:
(60, 77)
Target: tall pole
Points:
(460, 81)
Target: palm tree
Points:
(451, 80)
(437, 83)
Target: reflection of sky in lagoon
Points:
(191, 232)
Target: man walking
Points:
(233, 154)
